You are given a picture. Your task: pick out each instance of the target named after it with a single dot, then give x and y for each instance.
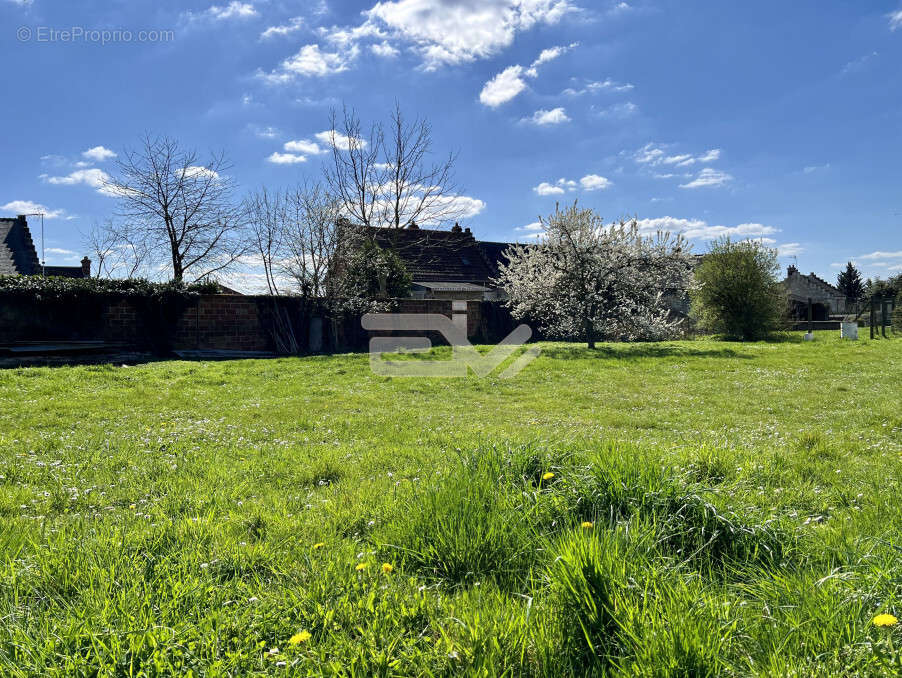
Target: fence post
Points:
(872, 318)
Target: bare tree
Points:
(116, 250)
(387, 178)
(183, 208)
(266, 224)
(313, 230)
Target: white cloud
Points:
(234, 10)
(593, 182)
(811, 169)
(95, 178)
(459, 31)
(548, 189)
(598, 86)
(293, 26)
(197, 171)
(655, 155)
(699, 229)
(286, 158)
(555, 116)
(534, 227)
(384, 49)
(310, 61)
(304, 146)
(860, 63)
(879, 255)
(98, 154)
(266, 132)
(709, 178)
(546, 55)
(790, 249)
(895, 20)
(17, 207)
(619, 111)
(509, 83)
(711, 156)
(590, 182)
(462, 205)
(214, 13)
(503, 87)
(342, 142)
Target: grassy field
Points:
(680, 509)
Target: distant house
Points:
(445, 264)
(19, 257)
(825, 299)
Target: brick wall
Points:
(218, 322)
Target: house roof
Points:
(439, 256)
(451, 286)
(18, 255)
(494, 252)
(815, 280)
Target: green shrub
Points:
(737, 291)
(40, 288)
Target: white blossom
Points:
(587, 280)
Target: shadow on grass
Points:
(639, 351)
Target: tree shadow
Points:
(640, 351)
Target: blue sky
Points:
(768, 119)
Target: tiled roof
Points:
(439, 256)
(17, 253)
(494, 253)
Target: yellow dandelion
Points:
(361, 566)
(318, 545)
(548, 476)
(586, 525)
(387, 568)
(133, 506)
(885, 620)
(299, 638)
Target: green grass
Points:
(745, 501)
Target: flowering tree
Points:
(586, 280)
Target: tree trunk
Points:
(590, 332)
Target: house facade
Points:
(18, 255)
(826, 300)
(448, 264)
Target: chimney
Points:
(467, 229)
(791, 270)
(413, 226)
(86, 267)
(456, 228)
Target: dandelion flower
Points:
(586, 525)
(318, 545)
(361, 566)
(299, 638)
(885, 620)
(548, 476)
(387, 568)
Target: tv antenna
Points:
(43, 267)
